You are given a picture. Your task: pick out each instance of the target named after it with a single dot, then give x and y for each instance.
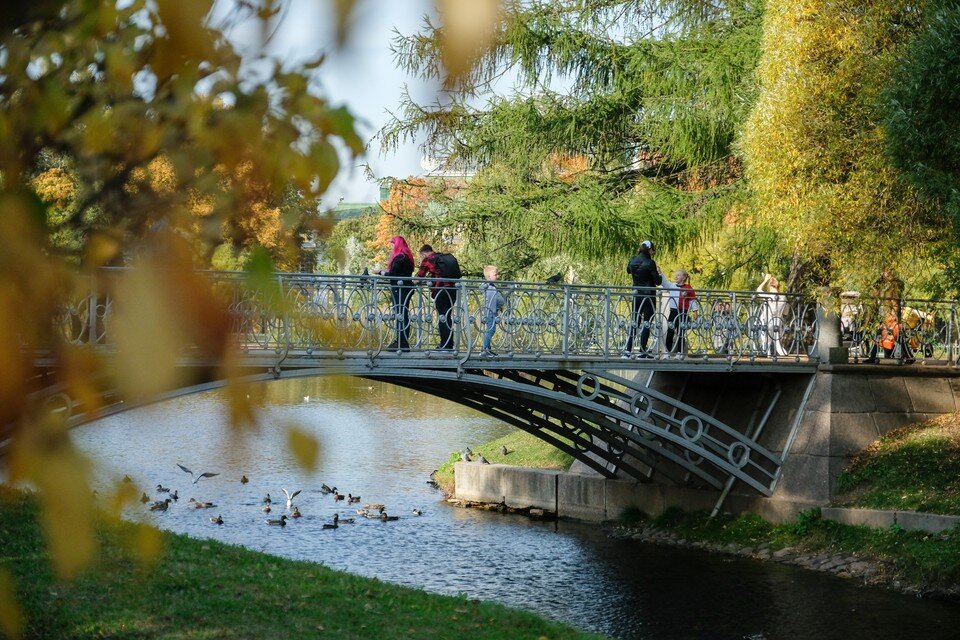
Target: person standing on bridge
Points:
(681, 301)
(401, 268)
(445, 270)
(493, 303)
(646, 278)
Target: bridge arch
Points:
(613, 425)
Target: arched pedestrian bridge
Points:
(690, 412)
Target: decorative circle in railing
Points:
(642, 412)
(697, 429)
(58, 403)
(739, 460)
(593, 382)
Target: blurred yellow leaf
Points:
(469, 27)
(11, 619)
(147, 332)
(124, 493)
(304, 446)
(149, 544)
(44, 455)
(101, 248)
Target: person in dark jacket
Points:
(444, 293)
(400, 267)
(646, 278)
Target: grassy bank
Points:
(523, 450)
(916, 468)
(205, 589)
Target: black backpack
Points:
(447, 266)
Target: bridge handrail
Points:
(334, 314)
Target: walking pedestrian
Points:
(646, 278)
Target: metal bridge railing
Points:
(321, 315)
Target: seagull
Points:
(243, 480)
(336, 520)
(290, 497)
(282, 522)
(205, 474)
(217, 520)
(306, 398)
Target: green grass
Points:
(205, 589)
(524, 450)
(920, 558)
(916, 468)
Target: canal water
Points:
(381, 443)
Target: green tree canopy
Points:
(621, 125)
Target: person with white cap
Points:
(646, 278)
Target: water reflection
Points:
(381, 443)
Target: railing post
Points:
(285, 319)
(829, 346)
(951, 354)
(92, 311)
(606, 322)
(465, 317)
(566, 321)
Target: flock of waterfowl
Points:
(372, 511)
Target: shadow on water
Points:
(381, 442)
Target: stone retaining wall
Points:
(594, 498)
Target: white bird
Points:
(196, 479)
(290, 496)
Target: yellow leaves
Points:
(11, 618)
(43, 455)
(469, 29)
(55, 187)
(304, 447)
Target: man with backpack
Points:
(445, 270)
